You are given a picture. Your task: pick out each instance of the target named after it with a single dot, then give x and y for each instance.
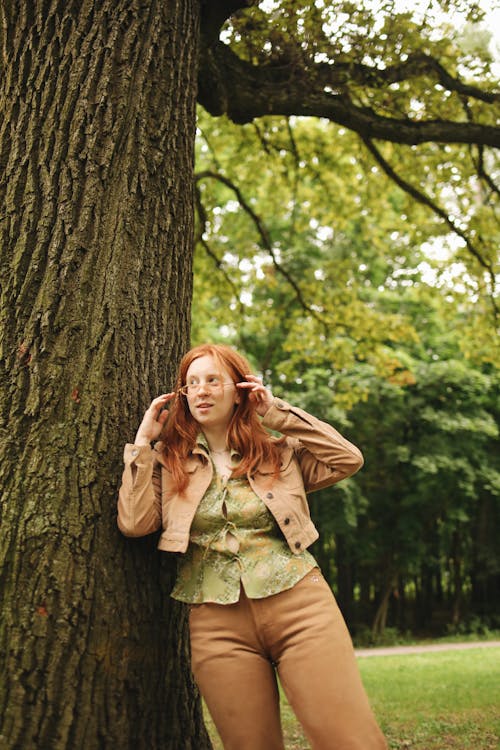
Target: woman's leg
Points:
(235, 678)
(318, 670)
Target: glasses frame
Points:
(212, 387)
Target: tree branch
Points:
(417, 65)
(424, 199)
(264, 237)
(482, 174)
(243, 91)
(215, 12)
(203, 221)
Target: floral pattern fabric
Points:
(235, 540)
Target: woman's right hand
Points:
(153, 420)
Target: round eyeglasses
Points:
(192, 388)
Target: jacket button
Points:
(297, 545)
(286, 521)
(270, 495)
(135, 452)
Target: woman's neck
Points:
(216, 441)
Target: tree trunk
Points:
(380, 618)
(458, 584)
(345, 586)
(97, 124)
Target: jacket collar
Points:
(202, 448)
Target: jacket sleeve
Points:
(325, 456)
(139, 496)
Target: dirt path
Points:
(394, 650)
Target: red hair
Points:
(245, 434)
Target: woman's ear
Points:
(237, 396)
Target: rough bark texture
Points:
(97, 121)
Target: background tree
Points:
(96, 130)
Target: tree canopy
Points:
(416, 84)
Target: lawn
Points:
(436, 701)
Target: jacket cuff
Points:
(140, 455)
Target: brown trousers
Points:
(236, 650)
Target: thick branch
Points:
(215, 12)
(242, 91)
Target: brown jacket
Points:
(314, 455)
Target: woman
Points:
(232, 499)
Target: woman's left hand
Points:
(259, 395)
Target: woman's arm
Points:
(139, 497)
(324, 455)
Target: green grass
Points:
(436, 701)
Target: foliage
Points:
(371, 66)
(431, 477)
(414, 83)
(303, 232)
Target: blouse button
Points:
(269, 495)
(286, 521)
(297, 545)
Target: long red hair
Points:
(245, 433)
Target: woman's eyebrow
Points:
(207, 375)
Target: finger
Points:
(251, 386)
(161, 400)
(164, 399)
(252, 390)
(163, 416)
(257, 393)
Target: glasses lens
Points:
(193, 388)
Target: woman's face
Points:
(213, 394)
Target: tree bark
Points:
(97, 125)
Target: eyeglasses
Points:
(193, 388)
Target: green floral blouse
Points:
(235, 540)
